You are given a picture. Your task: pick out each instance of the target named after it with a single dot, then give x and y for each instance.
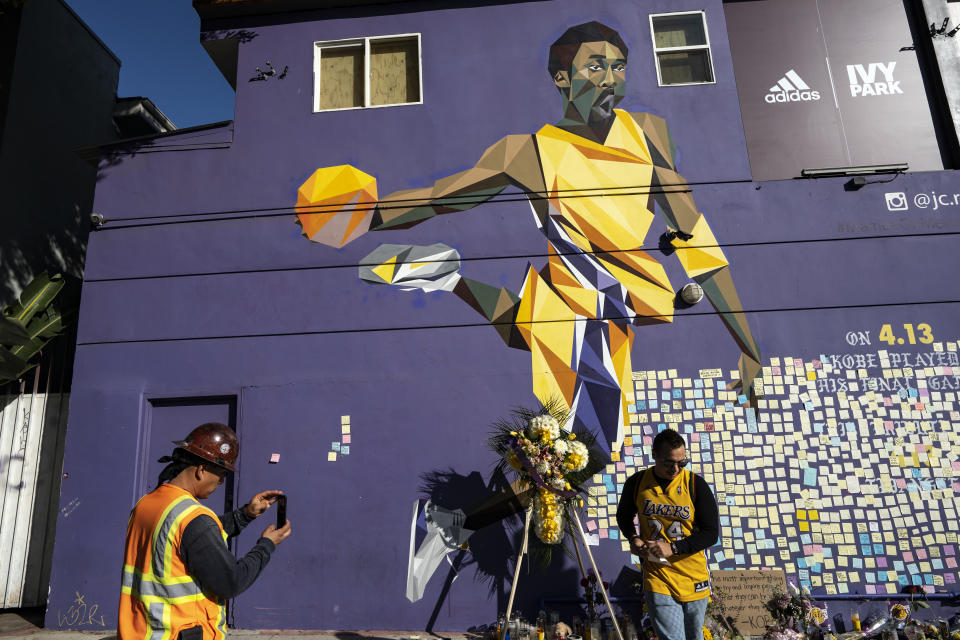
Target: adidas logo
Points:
(791, 88)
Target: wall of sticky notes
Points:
(848, 491)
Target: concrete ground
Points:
(26, 622)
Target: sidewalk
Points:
(25, 626)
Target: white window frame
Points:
(320, 45)
(695, 47)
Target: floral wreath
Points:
(551, 460)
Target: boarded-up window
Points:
(682, 48)
(394, 73)
(341, 77)
(368, 72)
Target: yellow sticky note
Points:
(345, 429)
(344, 419)
(331, 456)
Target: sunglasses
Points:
(669, 464)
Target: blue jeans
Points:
(674, 620)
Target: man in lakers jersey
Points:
(593, 180)
(678, 518)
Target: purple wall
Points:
(289, 340)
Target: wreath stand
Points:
(586, 547)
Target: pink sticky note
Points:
(274, 458)
(952, 563)
(872, 588)
(603, 533)
(922, 554)
(621, 466)
(591, 525)
(949, 578)
(694, 437)
(345, 439)
(666, 384)
(901, 483)
(920, 448)
(888, 425)
(888, 402)
(776, 371)
(908, 556)
(817, 364)
(628, 451)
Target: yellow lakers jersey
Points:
(667, 514)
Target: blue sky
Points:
(158, 43)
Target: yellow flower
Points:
(817, 615)
(572, 436)
(706, 634)
(513, 433)
(899, 612)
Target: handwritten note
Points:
(745, 593)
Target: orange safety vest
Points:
(158, 596)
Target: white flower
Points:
(558, 482)
(540, 426)
(542, 467)
(560, 447)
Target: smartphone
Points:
(281, 511)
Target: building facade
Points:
(463, 256)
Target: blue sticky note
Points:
(878, 549)
(724, 521)
(857, 562)
(864, 538)
(698, 383)
(709, 403)
(810, 477)
(738, 558)
(335, 446)
(345, 449)
(614, 534)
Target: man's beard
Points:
(603, 107)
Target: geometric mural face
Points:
(593, 181)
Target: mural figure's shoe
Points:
(434, 267)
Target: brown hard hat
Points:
(214, 442)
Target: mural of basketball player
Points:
(593, 180)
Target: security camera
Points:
(96, 220)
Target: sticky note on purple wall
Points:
(274, 458)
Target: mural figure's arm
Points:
(700, 255)
(511, 161)
(494, 172)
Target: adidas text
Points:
(791, 88)
(792, 96)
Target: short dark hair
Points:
(565, 48)
(667, 440)
(178, 460)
